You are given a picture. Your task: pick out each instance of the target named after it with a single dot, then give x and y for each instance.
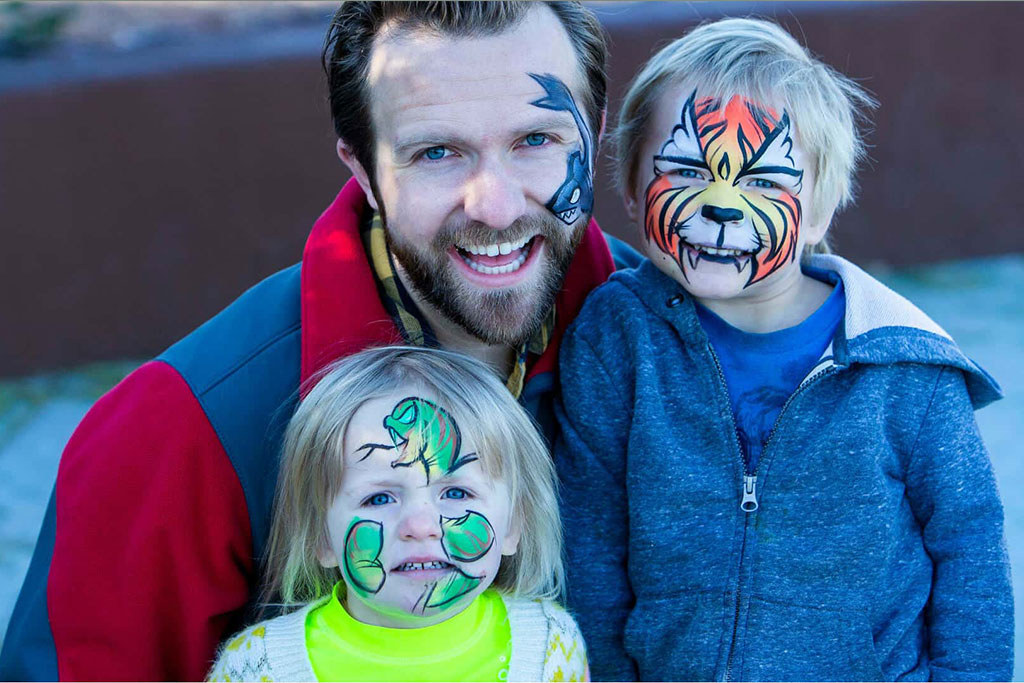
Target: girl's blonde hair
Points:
(312, 467)
(757, 60)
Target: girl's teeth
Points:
(418, 566)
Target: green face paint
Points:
(425, 433)
(363, 543)
(443, 593)
(466, 538)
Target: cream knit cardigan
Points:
(546, 646)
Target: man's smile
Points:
(501, 264)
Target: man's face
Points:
(418, 528)
(724, 195)
(483, 167)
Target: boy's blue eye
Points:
(536, 139)
(435, 153)
(379, 499)
(455, 494)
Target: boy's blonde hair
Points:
(757, 60)
(312, 467)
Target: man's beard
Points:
(510, 315)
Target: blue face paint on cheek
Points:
(575, 196)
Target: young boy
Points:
(770, 463)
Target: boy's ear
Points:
(358, 172)
(814, 230)
(632, 205)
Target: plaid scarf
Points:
(414, 328)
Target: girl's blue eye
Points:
(435, 153)
(379, 499)
(536, 139)
(455, 494)
(688, 173)
(764, 184)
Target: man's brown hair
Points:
(356, 24)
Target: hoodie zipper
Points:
(748, 490)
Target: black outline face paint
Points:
(364, 542)
(576, 194)
(424, 432)
(710, 150)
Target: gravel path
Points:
(976, 301)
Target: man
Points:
(470, 131)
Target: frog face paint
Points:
(726, 191)
(424, 526)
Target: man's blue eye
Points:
(379, 499)
(455, 494)
(536, 139)
(435, 153)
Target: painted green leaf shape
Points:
(363, 544)
(466, 538)
(452, 588)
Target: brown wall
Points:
(134, 206)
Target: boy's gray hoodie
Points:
(871, 546)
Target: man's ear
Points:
(361, 176)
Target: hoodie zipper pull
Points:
(749, 502)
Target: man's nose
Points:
(720, 215)
(421, 521)
(494, 196)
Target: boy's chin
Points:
(708, 280)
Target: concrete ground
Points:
(976, 301)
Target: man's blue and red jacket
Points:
(148, 553)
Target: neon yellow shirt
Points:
(474, 645)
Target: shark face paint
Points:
(726, 190)
(424, 527)
(575, 196)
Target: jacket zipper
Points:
(748, 501)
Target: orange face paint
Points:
(725, 189)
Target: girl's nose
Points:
(421, 522)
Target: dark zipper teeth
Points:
(743, 467)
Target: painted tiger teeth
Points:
(419, 566)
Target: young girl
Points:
(415, 534)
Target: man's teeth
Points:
(495, 249)
(418, 566)
(503, 248)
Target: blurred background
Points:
(158, 158)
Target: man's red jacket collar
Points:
(341, 309)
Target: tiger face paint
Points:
(725, 200)
(419, 528)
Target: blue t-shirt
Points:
(762, 370)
